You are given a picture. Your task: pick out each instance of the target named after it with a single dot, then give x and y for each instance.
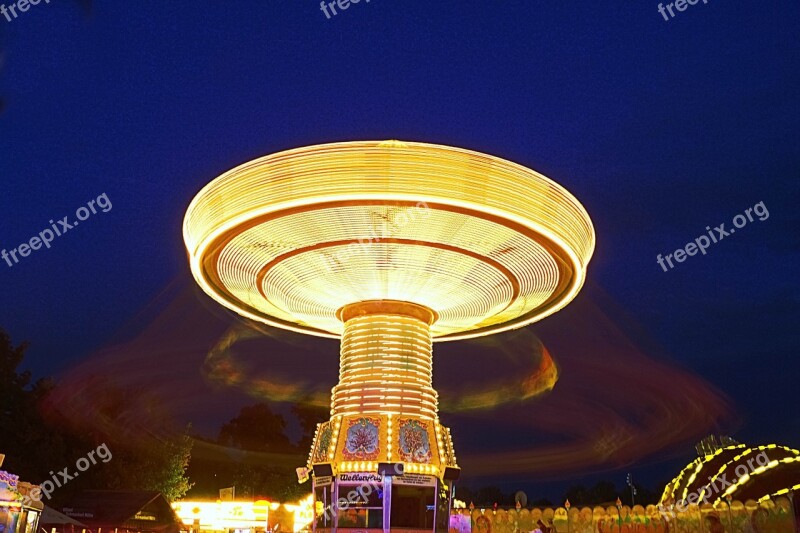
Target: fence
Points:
(773, 516)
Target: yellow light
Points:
(219, 515)
(292, 237)
(10, 504)
(303, 513)
(371, 368)
(671, 490)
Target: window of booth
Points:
(323, 513)
(443, 510)
(33, 520)
(27, 521)
(360, 506)
(413, 507)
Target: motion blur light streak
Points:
(611, 406)
(221, 367)
(541, 379)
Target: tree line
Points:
(251, 452)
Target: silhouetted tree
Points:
(256, 429)
(644, 496)
(161, 466)
(578, 495)
(602, 492)
(309, 416)
(488, 496)
(32, 448)
(258, 458)
(35, 445)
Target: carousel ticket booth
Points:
(382, 501)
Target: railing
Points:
(773, 516)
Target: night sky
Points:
(660, 128)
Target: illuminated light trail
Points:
(614, 403)
(525, 385)
(736, 471)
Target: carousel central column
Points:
(380, 461)
(386, 364)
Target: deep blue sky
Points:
(660, 128)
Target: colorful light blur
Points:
(615, 402)
(245, 515)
